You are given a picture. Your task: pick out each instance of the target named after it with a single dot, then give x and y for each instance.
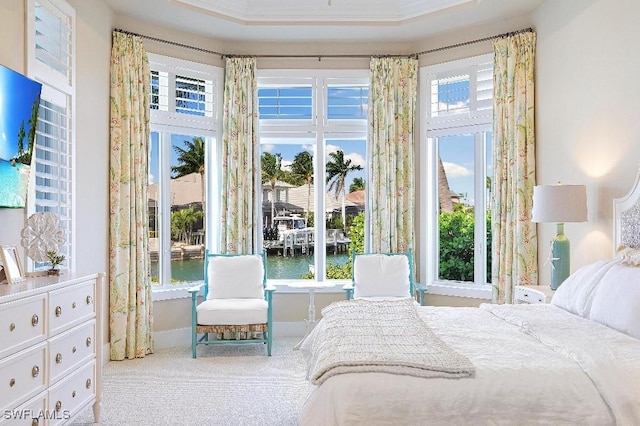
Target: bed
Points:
(574, 361)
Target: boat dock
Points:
(301, 242)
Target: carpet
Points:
(225, 385)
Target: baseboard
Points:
(182, 336)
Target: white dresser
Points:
(50, 349)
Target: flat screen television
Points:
(19, 103)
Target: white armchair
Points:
(236, 299)
(383, 275)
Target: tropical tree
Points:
(357, 185)
(182, 221)
(191, 160)
(337, 171)
(271, 172)
(302, 171)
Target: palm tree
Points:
(337, 171)
(191, 160)
(271, 172)
(357, 185)
(302, 171)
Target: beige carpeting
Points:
(225, 385)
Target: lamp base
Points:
(560, 260)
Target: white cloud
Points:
(445, 108)
(455, 170)
(151, 179)
(267, 147)
(286, 165)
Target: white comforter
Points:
(535, 364)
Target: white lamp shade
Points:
(559, 203)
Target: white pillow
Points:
(235, 277)
(616, 301)
(575, 294)
(381, 275)
(628, 256)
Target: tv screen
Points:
(19, 102)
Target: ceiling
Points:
(321, 20)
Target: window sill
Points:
(439, 288)
(460, 290)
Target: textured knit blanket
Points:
(359, 335)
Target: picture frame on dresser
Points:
(12, 266)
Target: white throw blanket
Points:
(381, 336)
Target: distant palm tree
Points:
(191, 160)
(357, 185)
(271, 172)
(337, 171)
(302, 170)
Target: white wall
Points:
(587, 113)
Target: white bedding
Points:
(535, 364)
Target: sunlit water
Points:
(278, 267)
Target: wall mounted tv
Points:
(19, 102)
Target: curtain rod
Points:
(412, 55)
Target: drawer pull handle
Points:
(73, 350)
(35, 371)
(88, 341)
(58, 405)
(73, 305)
(12, 383)
(88, 384)
(35, 320)
(89, 300)
(73, 394)
(35, 422)
(12, 326)
(59, 358)
(58, 311)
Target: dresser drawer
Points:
(31, 413)
(22, 376)
(22, 323)
(71, 348)
(70, 306)
(72, 393)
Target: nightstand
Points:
(532, 294)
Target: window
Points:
(51, 60)
(185, 119)
(457, 135)
(312, 210)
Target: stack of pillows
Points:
(607, 291)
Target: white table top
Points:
(310, 284)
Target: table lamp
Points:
(560, 204)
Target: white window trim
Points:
(53, 85)
(472, 123)
(318, 129)
(165, 122)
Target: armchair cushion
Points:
(235, 277)
(380, 275)
(232, 312)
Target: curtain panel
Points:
(240, 156)
(131, 319)
(392, 100)
(514, 245)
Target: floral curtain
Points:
(514, 245)
(392, 100)
(240, 156)
(131, 319)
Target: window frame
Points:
(170, 122)
(474, 122)
(58, 89)
(320, 128)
